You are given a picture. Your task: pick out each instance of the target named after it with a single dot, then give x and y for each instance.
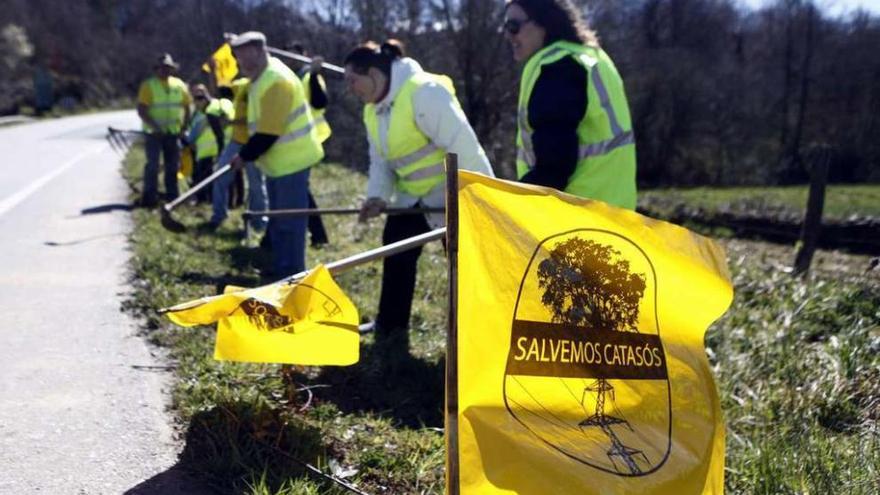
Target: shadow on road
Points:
(175, 481)
(107, 208)
(81, 241)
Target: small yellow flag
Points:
(185, 170)
(310, 322)
(225, 66)
(581, 361)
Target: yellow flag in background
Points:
(311, 322)
(581, 362)
(225, 66)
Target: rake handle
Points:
(198, 187)
(304, 59)
(306, 212)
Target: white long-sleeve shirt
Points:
(440, 118)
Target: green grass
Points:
(797, 363)
(841, 202)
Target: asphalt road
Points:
(82, 402)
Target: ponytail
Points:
(371, 54)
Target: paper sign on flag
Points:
(581, 361)
(310, 322)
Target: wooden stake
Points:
(820, 160)
(452, 457)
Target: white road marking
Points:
(12, 201)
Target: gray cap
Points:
(166, 60)
(248, 38)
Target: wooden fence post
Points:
(819, 162)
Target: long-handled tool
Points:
(167, 220)
(375, 254)
(306, 60)
(117, 139)
(308, 212)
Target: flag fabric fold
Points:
(309, 322)
(581, 361)
(225, 65)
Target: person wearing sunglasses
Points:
(575, 132)
(209, 133)
(413, 119)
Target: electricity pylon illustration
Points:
(605, 422)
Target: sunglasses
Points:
(201, 97)
(513, 26)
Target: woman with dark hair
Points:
(413, 120)
(575, 132)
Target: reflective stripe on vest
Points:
(166, 107)
(606, 151)
(298, 147)
(418, 164)
(324, 130)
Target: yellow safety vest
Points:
(606, 168)
(298, 147)
(418, 163)
(240, 130)
(206, 143)
(324, 130)
(166, 107)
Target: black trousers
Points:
(399, 276)
(316, 225)
(165, 145)
(236, 189)
(203, 168)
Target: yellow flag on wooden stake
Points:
(581, 361)
(225, 65)
(310, 322)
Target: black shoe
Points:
(147, 203)
(210, 227)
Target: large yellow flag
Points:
(581, 362)
(225, 65)
(310, 322)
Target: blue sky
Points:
(833, 7)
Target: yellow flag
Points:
(311, 322)
(225, 66)
(185, 170)
(581, 362)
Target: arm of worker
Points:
(274, 111)
(217, 128)
(380, 185)
(557, 105)
(144, 113)
(440, 117)
(317, 87)
(145, 99)
(193, 133)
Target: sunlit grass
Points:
(797, 363)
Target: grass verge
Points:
(797, 363)
(789, 202)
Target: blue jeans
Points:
(288, 234)
(166, 145)
(256, 195)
